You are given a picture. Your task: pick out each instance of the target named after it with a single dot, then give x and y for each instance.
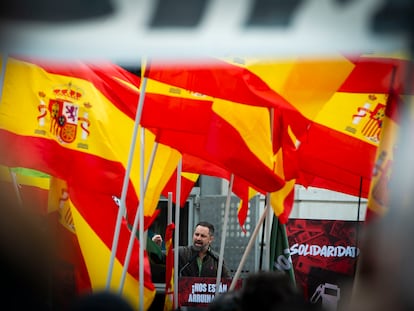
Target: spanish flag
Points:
(66, 121)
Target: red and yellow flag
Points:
(378, 199)
(344, 113)
(239, 143)
(215, 78)
(95, 241)
(65, 121)
(188, 181)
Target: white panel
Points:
(318, 27)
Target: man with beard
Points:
(199, 259)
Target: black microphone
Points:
(187, 264)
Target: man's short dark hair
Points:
(208, 225)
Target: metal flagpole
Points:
(224, 233)
(268, 228)
(249, 246)
(122, 208)
(270, 212)
(16, 187)
(169, 210)
(141, 222)
(177, 231)
(137, 215)
(136, 220)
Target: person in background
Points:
(100, 300)
(227, 301)
(271, 291)
(198, 259)
(157, 239)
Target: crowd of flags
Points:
(272, 124)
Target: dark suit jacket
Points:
(188, 263)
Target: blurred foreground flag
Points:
(67, 122)
(378, 199)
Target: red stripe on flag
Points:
(218, 79)
(171, 186)
(211, 137)
(374, 75)
(332, 160)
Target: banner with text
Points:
(199, 291)
(323, 254)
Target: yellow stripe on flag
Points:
(253, 124)
(306, 83)
(357, 115)
(31, 118)
(190, 176)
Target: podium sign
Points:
(200, 291)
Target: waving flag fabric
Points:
(68, 125)
(229, 84)
(335, 152)
(338, 146)
(188, 181)
(222, 142)
(212, 79)
(288, 167)
(120, 91)
(215, 78)
(238, 143)
(378, 199)
(95, 242)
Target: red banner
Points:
(324, 254)
(199, 291)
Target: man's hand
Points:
(157, 239)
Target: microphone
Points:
(187, 264)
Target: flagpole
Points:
(286, 241)
(249, 246)
(136, 219)
(177, 231)
(223, 234)
(169, 210)
(270, 213)
(137, 215)
(122, 208)
(267, 229)
(16, 188)
(141, 222)
(273, 239)
(169, 292)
